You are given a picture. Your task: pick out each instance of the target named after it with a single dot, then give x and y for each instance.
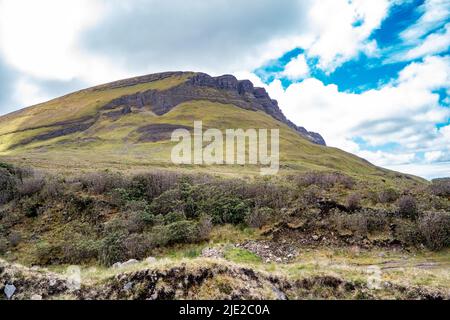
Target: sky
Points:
(373, 77)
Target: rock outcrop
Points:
(200, 86)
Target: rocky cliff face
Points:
(224, 89)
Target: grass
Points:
(74, 106)
(239, 255)
(114, 144)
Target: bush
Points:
(353, 202)
(151, 185)
(356, 223)
(174, 217)
(47, 253)
(137, 246)
(361, 223)
(80, 250)
(441, 187)
(31, 206)
(101, 182)
(227, 210)
(204, 226)
(312, 195)
(31, 186)
(407, 207)
(3, 245)
(408, 233)
(182, 232)
(167, 202)
(52, 189)
(112, 249)
(325, 180)
(259, 217)
(388, 196)
(8, 186)
(435, 228)
(129, 222)
(14, 238)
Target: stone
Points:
(9, 290)
(129, 263)
(315, 237)
(151, 260)
(36, 297)
(128, 286)
(216, 253)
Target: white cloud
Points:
(344, 30)
(433, 43)
(98, 40)
(41, 39)
(403, 112)
(433, 156)
(429, 171)
(27, 93)
(297, 68)
(434, 14)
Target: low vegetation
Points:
(107, 217)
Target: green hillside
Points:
(76, 131)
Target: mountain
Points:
(127, 124)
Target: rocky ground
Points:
(206, 277)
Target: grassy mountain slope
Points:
(80, 130)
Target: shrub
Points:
(182, 232)
(408, 233)
(325, 180)
(31, 186)
(129, 222)
(259, 217)
(174, 217)
(356, 223)
(80, 250)
(376, 221)
(52, 189)
(167, 202)
(14, 238)
(227, 210)
(151, 185)
(101, 182)
(119, 197)
(31, 206)
(47, 253)
(388, 196)
(8, 185)
(407, 207)
(137, 246)
(353, 202)
(112, 249)
(441, 187)
(204, 226)
(435, 228)
(312, 195)
(3, 245)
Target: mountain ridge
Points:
(255, 98)
(127, 124)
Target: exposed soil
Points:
(197, 280)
